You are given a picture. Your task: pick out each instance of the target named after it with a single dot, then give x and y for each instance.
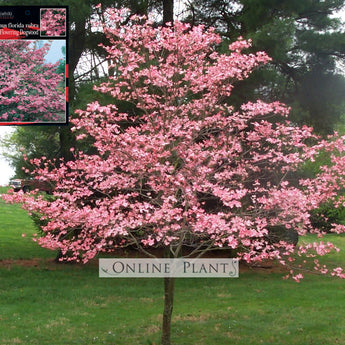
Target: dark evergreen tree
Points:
(305, 42)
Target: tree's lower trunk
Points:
(169, 284)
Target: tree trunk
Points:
(139, 7)
(169, 284)
(168, 11)
(67, 140)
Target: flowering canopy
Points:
(188, 170)
(29, 87)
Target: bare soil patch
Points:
(48, 264)
(35, 262)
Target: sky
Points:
(55, 53)
(6, 172)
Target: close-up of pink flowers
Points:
(53, 22)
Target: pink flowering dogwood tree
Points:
(187, 172)
(53, 22)
(30, 88)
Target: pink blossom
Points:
(186, 169)
(29, 86)
(53, 22)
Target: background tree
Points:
(305, 43)
(34, 142)
(189, 173)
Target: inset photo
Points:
(53, 22)
(32, 81)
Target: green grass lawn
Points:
(45, 303)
